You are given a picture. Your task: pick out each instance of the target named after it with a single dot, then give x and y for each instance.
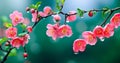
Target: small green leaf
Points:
(22, 34)
(105, 12)
(7, 24)
(94, 12)
(23, 26)
(62, 1)
(38, 4)
(32, 6)
(80, 12)
(58, 6)
(2, 40)
(13, 52)
(35, 6)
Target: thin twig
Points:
(5, 57)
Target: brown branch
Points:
(5, 57)
(111, 12)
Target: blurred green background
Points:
(42, 49)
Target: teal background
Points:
(42, 49)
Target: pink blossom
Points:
(26, 21)
(52, 31)
(108, 30)
(16, 18)
(115, 20)
(47, 10)
(99, 32)
(42, 14)
(89, 37)
(16, 42)
(29, 29)
(35, 16)
(65, 30)
(56, 17)
(11, 32)
(79, 45)
(25, 39)
(71, 17)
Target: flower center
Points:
(90, 38)
(64, 31)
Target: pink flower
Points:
(47, 10)
(52, 31)
(29, 29)
(25, 39)
(79, 45)
(108, 30)
(26, 21)
(115, 20)
(99, 32)
(71, 17)
(56, 17)
(35, 16)
(16, 42)
(64, 30)
(42, 14)
(89, 37)
(16, 17)
(11, 32)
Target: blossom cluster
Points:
(12, 31)
(55, 31)
(16, 39)
(90, 37)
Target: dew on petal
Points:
(28, 12)
(75, 53)
(67, 21)
(102, 39)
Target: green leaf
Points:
(32, 6)
(94, 12)
(35, 6)
(38, 4)
(105, 12)
(2, 40)
(58, 6)
(62, 1)
(23, 26)
(7, 24)
(13, 52)
(80, 12)
(22, 34)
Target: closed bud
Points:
(90, 13)
(25, 55)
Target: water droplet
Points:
(25, 57)
(102, 39)
(75, 53)
(67, 21)
(27, 11)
